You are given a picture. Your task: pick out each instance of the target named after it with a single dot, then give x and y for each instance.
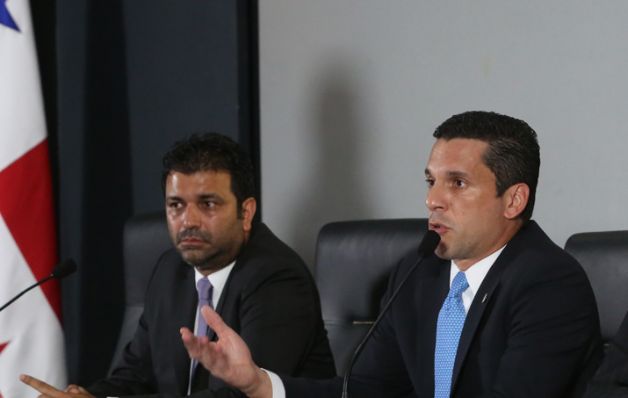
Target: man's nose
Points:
(435, 199)
(191, 217)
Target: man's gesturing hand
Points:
(48, 391)
(228, 358)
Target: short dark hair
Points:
(212, 152)
(513, 153)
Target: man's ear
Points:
(249, 206)
(515, 200)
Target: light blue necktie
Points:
(448, 330)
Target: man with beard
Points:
(260, 286)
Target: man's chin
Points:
(204, 262)
(196, 258)
(442, 252)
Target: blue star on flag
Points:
(5, 18)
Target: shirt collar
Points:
(475, 274)
(218, 280)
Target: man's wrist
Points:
(262, 387)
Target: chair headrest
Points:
(604, 257)
(354, 259)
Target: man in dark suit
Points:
(498, 311)
(611, 379)
(260, 286)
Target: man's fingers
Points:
(214, 320)
(186, 334)
(198, 347)
(72, 388)
(42, 387)
(75, 389)
(189, 341)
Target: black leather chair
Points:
(145, 238)
(353, 261)
(604, 257)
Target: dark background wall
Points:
(123, 80)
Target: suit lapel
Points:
(486, 293)
(480, 302)
(184, 312)
(225, 299)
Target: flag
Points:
(31, 337)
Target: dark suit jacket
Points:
(270, 299)
(532, 330)
(611, 379)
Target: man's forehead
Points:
(458, 149)
(456, 156)
(200, 182)
(199, 173)
(458, 142)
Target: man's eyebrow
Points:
(457, 174)
(202, 196)
(450, 174)
(205, 196)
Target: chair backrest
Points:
(145, 238)
(604, 257)
(353, 261)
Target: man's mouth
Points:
(192, 238)
(438, 227)
(191, 241)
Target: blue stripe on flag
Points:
(5, 18)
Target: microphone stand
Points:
(34, 285)
(428, 244)
(62, 270)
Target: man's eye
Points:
(174, 205)
(209, 204)
(460, 183)
(429, 182)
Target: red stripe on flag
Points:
(26, 205)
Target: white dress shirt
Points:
(475, 275)
(218, 280)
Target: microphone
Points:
(426, 247)
(62, 270)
